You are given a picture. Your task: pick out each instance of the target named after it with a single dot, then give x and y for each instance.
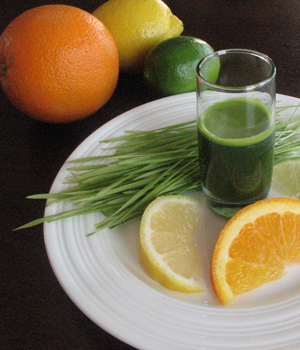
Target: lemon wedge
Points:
(169, 251)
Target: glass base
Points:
(228, 210)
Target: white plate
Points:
(102, 275)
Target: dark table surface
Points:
(36, 313)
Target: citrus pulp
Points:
(255, 246)
(168, 243)
(286, 178)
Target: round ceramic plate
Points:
(102, 274)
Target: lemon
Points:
(286, 178)
(137, 26)
(170, 67)
(168, 243)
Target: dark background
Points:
(35, 312)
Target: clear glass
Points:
(236, 98)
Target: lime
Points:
(138, 26)
(170, 68)
(286, 178)
(247, 179)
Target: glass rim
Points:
(239, 88)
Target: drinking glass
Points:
(236, 98)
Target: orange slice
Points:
(256, 246)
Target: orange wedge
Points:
(256, 246)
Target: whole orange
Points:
(58, 63)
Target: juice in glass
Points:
(235, 154)
(236, 128)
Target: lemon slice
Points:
(286, 178)
(169, 251)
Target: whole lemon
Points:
(170, 68)
(137, 26)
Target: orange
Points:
(256, 246)
(58, 63)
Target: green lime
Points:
(286, 178)
(248, 179)
(170, 67)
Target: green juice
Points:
(236, 153)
